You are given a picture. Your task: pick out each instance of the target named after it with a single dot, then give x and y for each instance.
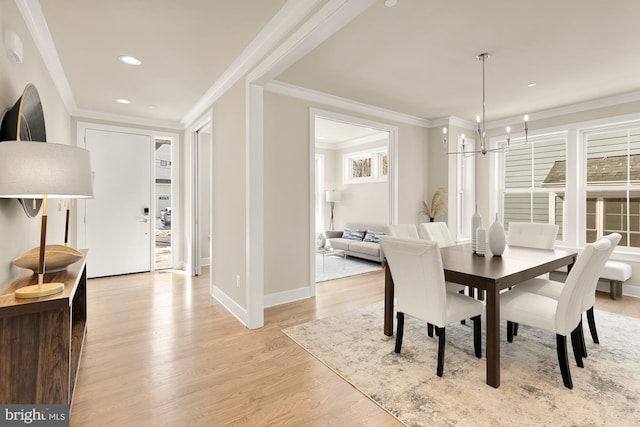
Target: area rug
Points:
(336, 267)
(606, 391)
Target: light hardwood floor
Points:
(161, 352)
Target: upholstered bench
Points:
(616, 273)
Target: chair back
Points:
(436, 231)
(532, 235)
(408, 231)
(588, 266)
(418, 276)
(590, 294)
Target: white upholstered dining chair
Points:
(553, 289)
(407, 231)
(420, 292)
(563, 315)
(439, 232)
(532, 234)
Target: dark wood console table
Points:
(41, 339)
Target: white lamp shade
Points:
(333, 196)
(32, 169)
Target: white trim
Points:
(254, 199)
(37, 25)
(381, 136)
(227, 302)
(139, 121)
(311, 95)
(292, 295)
(452, 121)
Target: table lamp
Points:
(39, 170)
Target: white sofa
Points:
(359, 240)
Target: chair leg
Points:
(463, 321)
(472, 291)
(400, 332)
(583, 345)
(477, 336)
(592, 326)
(509, 331)
(430, 330)
(577, 346)
(563, 360)
(441, 342)
(515, 329)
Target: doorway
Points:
(356, 182)
(163, 207)
(117, 225)
(201, 202)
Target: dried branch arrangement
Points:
(438, 204)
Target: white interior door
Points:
(119, 219)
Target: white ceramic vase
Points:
(481, 240)
(476, 221)
(497, 238)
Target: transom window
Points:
(366, 166)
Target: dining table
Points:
(491, 274)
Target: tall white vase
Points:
(481, 241)
(497, 238)
(476, 221)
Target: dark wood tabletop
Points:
(490, 274)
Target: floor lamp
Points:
(332, 196)
(39, 170)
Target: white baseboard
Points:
(232, 307)
(287, 296)
(204, 262)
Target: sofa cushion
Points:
(353, 234)
(372, 236)
(368, 248)
(340, 243)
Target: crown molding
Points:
(37, 25)
(355, 142)
(594, 104)
(95, 115)
(311, 95)
(279, 26)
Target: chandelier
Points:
(482, 130)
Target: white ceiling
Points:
(416, 58)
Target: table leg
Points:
(388, 301)
(493, 337)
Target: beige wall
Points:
(228, 194)
(18, 232)
(363, 202)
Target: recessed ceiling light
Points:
(390, 3)
(123, 101)
(532, 84)
(131, 60)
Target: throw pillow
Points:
(353, 234)
(372, 236)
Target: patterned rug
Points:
(336, 267)
(606, 392)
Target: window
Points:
(366, 166)
(613, 185)
(534, 181)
